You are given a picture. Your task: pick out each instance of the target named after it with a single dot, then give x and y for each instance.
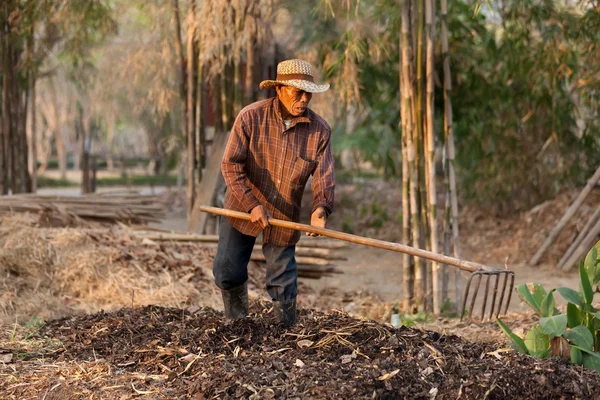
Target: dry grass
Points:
(51, 273)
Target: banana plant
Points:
(574, 335)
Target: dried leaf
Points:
(388, 375)
(559, 346)
(426, 372)
(6, 358)
(148, 242)
(304, 343)
(142, 391)
(299, 363)
(189, 358)
(346, 358)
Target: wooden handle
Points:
(381, 244)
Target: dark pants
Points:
(230, 266)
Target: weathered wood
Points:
(585, 245)
(115, 208)
(256, 256)
(381, 244)
(582, 234)
(566, 217)
(209, 184)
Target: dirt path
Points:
(379, 272)
(375, 272)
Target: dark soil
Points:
(157, 353)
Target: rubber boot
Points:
(235, 302)
(285, 312)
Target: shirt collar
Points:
(295, 120)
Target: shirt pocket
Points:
(301, 170)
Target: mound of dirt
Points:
(171, 353)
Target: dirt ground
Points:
(166, 353)
(158, 335)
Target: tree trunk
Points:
(34, 154)
(200, 104)
(110, 136)
(85, 162)
(217, 103)
(4, 143)
(249, 92)
(191, 108)
(237, 91)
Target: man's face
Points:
(294, 100)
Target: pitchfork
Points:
(476, 269)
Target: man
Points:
(273, 148)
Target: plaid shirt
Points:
(266, 164)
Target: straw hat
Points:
(295, 73)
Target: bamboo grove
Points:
(425, 284)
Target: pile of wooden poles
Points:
(125, 206)
(585, 239)
(313, 255)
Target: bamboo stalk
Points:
(562, 264)
(566, 217)
(407, 128)
(450, 151)
(585, 245)
(435, 267)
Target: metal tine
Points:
(466, 296)
(502, 293)
(510, 290)
(497, 276)
(494, 307)
(485, 296)
(475, 293)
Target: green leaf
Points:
(517, 341)
(547, 306)
(580, 336)
(586, 287)
(576, 356)
(591, 265)
(595, 314)
(590, 359)
(573, 316)
(570, 295)
(537, 342)
(554, 326)
(532, 294)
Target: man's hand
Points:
(259, 216)
(318, 220)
